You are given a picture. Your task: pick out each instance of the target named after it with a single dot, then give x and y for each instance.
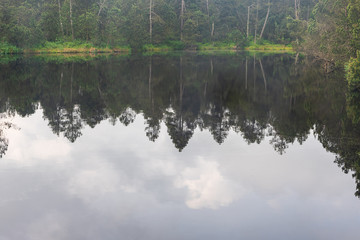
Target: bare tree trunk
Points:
(150, 78)
(212, 29)
(71, 21)
(61, 80)
(297, 9)
(71, 82)
(207, 8)
(263, 74)
(60, 20)
(246, 73)
(150, 20)
(297, 58)
(254, 97)
(247, 24)
(256, 21)
(101, 6)
(208, 15)
(266, 19)
(182, 19)
(182, 86)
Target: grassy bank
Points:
(74, 47)
(85, 47)
(220, 46)
(266, 46)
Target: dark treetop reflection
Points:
(278, 96)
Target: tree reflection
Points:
(281, 99)
(4, 125)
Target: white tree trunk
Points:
(212, 29)
(101, 6)
(150, 20)
(247, 24)
(266, 19)
(60, 20)
(71, 20)
(256, 20)
(182, 19)
(297, 9)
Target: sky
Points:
(113, 183)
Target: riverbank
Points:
(221, 46)
(84, 47)
(62, 47)
(75, 47)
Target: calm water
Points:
(183, 146)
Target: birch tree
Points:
(182, 11)
(150, 20)
(297, 9)
(71, 20)
(266, 19)
(60, 19)
(256, 20)
(101, 4)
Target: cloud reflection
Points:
(113, 182)
(207, 187)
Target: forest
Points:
(328, 29)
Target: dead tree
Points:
(266, 19)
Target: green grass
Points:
(75, 47)
(216, 46)
(267, 46)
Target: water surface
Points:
(182, 146)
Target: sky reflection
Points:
(113, 183)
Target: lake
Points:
(177, 146)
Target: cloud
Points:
(207, 188)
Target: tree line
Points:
(27, 23)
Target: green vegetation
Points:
(6, 48)
(158, 48)
(74, 47)
(326, 29)
(217, 46)
(54, 26)
(353, 72)
(264, 45)
(353, 94)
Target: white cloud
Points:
(207, 188)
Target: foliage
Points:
(267, 46)
(353, 72)
(112, 23)
(353, 95)
(76, 46)
(6, 48)
(333, 31)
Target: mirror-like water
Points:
(182, 146)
